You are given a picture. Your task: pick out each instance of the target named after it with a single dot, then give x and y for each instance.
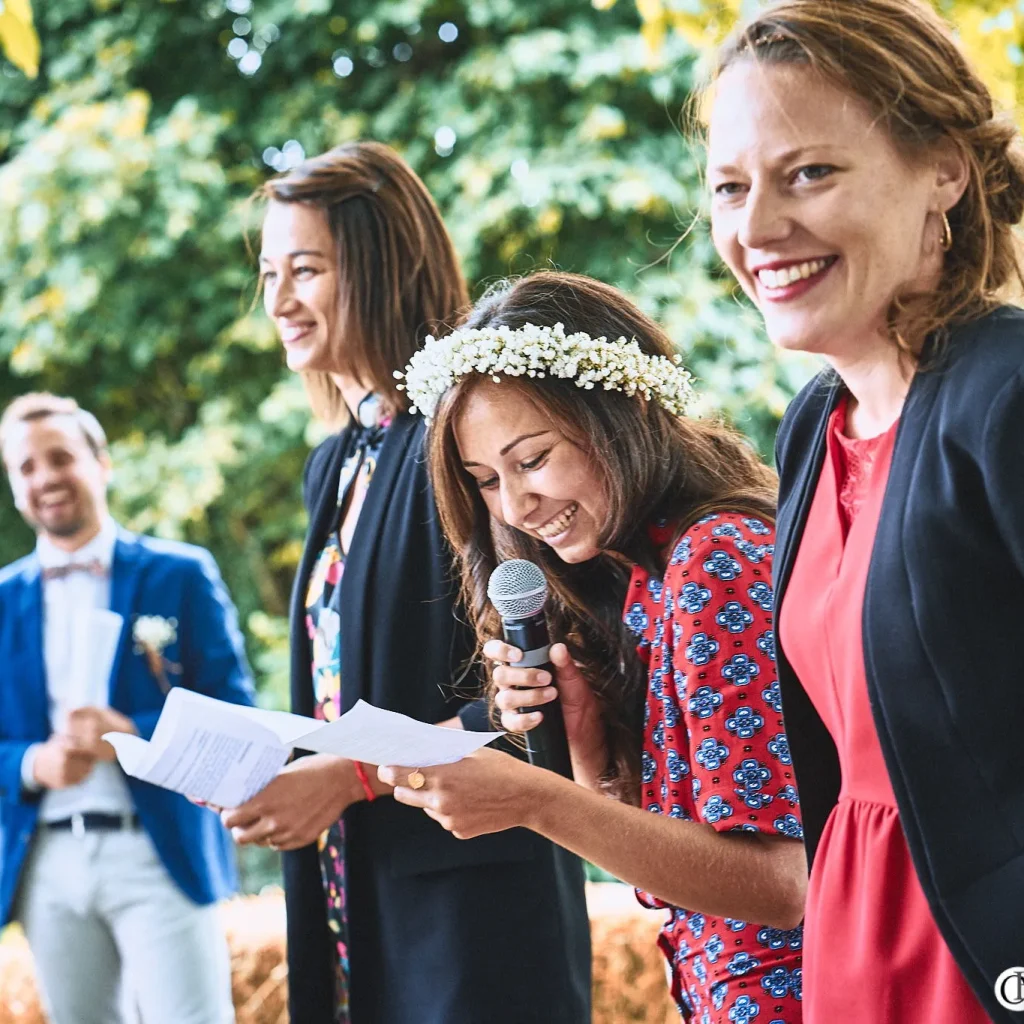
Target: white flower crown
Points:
(539, 352)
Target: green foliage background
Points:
(124, 277)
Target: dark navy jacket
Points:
(148, 577)
(943, 621)
(491, 930)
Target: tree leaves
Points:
(991, 32)
(542, 127)
(18, 38)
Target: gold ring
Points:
(417, 780)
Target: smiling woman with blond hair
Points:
(865, 194)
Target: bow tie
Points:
(58, 572)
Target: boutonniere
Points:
(152, 634)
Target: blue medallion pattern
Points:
(761, 594)
(745, 723)
(715, 751)
(693, 598)
(735, 618)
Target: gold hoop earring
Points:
(946, 242)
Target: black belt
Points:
(79, 824)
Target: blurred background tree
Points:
(18, 37)
(544, 129)
(992, 32)
(132, 133)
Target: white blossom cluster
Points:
(539, 352)
(154, 632)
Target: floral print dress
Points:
(715, 751)
(323, 622)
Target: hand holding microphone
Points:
(518, 590)
(525, 675)
(521, 699)
(522, 693)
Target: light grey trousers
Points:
(114, 939)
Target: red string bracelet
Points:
(364, 781)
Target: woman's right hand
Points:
(521, 689)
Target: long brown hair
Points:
(901, 59)
(654, 466)
(401, 276)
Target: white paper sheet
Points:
(94, 640)
(106, 627)
(370, 734)
(225, 753)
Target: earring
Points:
(946, 242)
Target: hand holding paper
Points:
(95, 636)
(86, 726)
(225, 753)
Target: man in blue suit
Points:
(110, 878)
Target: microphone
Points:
(517, 589)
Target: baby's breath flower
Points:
(536, 351)
(154, 631)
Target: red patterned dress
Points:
(715, 751)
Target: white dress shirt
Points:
(68, 605)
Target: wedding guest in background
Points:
(113, 880)
(865, 194)
(554, 442)
(390, 919)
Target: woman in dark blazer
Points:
(390, 919)
(864, 195)
(942, 615)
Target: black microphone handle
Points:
(546, 744)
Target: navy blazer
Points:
(148, 577)
(491, 930)
(943, 615)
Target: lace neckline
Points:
(855, 461)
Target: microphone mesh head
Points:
(517, 589)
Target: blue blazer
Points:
(148, 577)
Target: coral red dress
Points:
(873, 951)
(715, 751)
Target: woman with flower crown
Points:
(559, 435)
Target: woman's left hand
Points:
(489, 791)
